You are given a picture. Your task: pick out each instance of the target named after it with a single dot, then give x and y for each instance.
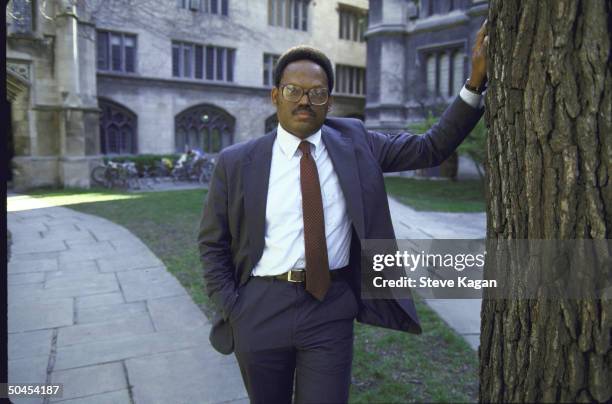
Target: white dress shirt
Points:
(284, 232)
(471, 98)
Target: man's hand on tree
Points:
(478, 76)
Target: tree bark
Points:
(549, 168)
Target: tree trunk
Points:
(549, 169)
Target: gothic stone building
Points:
(51, 89)
(418, 57)
(112, 77)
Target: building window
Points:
(444, 75)
(22, 16)
(458, 71)
(206, 6)
(350, 80)
(430, 7)
(269, 62)
(431, 75)
(445, 72)
(117, 128)
(195, 61)
(291, 14)
(116, 51)
(353, 23)
(203, 127)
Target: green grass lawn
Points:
(395, 367)
(388, 367)
(438, 195)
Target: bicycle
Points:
(155, 173)
(193, 166)
(206, 170)
(113, 174)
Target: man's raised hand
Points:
(479, 57)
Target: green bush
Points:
(474, 146)
(423, 126)
(143, 161)
(450, 166)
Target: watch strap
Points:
(476, 90)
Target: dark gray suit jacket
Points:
(231, 237)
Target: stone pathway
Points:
(166, 184)
(90, 306)
(463, 315)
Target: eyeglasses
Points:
(316, 96)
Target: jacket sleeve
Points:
(406, 151)
(214, 241)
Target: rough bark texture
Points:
(549, 110)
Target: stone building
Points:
(51, 85)
(418, 57)
(155, 76)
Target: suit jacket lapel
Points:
(342, 153)
(256, 176)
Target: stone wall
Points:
(245, 28)
(398, 36)
(156, 97)
(54, 115)
(157, 103)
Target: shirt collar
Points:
(289, 143)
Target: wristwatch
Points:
(476, 90)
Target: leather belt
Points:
(299, 275)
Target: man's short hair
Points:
(304, 52)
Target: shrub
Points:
(143, 161)
(423, 126)
(474, 146)
(450, 166)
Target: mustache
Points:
(308, 110)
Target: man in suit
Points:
(283, 224)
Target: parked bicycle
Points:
(116, 175)
(157, 172)
(207, 165)
(194, 166)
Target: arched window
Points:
(271, 122)
(203, 127)
(117, 128)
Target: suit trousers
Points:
(284, 336)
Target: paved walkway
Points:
(166, 184)
(463, 315)
(90, 306)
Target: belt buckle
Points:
(289, 276)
